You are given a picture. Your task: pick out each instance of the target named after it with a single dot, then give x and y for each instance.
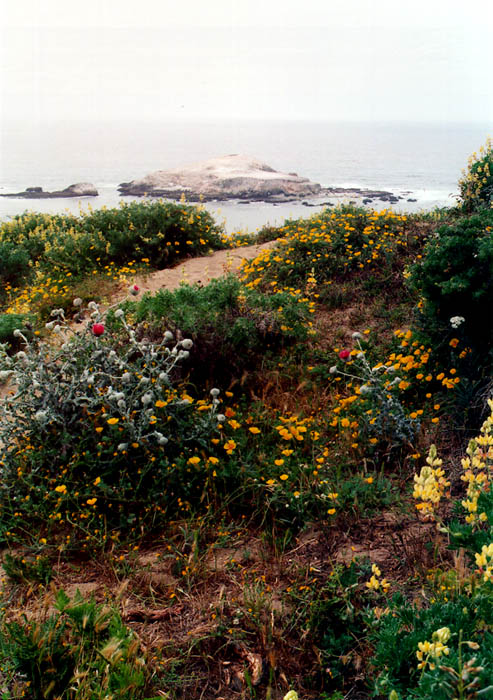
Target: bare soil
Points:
(201, 270)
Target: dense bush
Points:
(95, 438)
(443, 648)
(328, 247)
(233, 328)
(161, 232)
(476, 184)
(455, 280)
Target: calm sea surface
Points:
(421, 161)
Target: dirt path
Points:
(201, 269)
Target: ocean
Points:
(416, 160)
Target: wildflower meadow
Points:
(275, 484)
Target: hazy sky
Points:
(427, 60)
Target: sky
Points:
(340, 60)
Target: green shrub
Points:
(83, 651)
(233, 328)
(14, 263)
(476, 184)
(469, 648)
(269, 233)
(455, 279)
(331, 614)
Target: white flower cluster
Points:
(456, 321)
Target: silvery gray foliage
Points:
(376, 384)
(59, 383)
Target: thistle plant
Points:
(383, 416)
(91, 372)
(94, 426)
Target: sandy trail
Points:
(200, 270)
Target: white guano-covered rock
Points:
(228, 177)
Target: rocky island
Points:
(244, 179)
(81, 189)
(229, 177)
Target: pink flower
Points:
(345, 355)
(98, 329)
(134, 289)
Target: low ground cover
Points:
(271, 469)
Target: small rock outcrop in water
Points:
(228, 177)
(81, 189)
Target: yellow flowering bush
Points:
(476, 184)
(35, 244)
(327, 247)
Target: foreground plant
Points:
(82, 651)
(94, 434)
(451, 634)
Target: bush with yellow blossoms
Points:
(476, 184)
(429, 653)
(37, 245)
(474, 530)
(449, 632)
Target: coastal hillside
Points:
(248, 466)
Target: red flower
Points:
(134, 289)
(345, 355)
(98, 329)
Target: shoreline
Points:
(246, 214)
